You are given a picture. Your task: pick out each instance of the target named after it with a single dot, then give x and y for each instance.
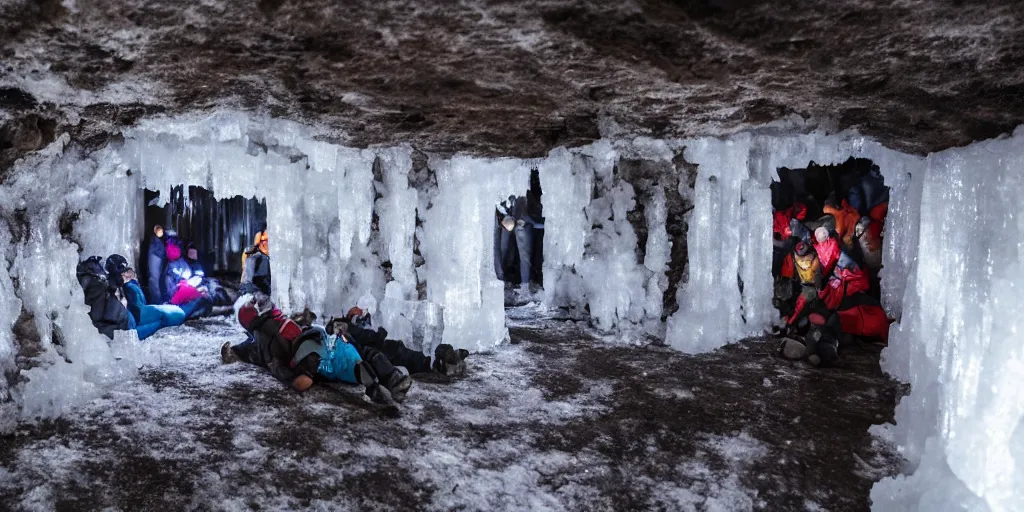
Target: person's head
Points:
(191, 253)
(262, 242)
(821, 234)
(173, 249)
(158, 230)
(802, 248)
(862, 226)
(337, 325)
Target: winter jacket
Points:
(337, 357)
(275, 337)
(828, 254)
(174, 273)
(105, 310)
(156, 255)
(869, 193)
(846, 220)
(808, 269)
(256, 273)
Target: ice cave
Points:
(493, 256)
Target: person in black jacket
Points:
(105, 310)
(156, 257)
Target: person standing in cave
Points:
(519, 221)
(256, 264)
(156, 256)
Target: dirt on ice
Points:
(560, 419)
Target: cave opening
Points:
(211, 238)
(827, 232)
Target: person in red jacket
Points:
(828, 250)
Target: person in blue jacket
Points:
(120, 274)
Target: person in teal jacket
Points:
(149, 318)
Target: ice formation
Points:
(953, 261)
(958, 342)
(458, 246)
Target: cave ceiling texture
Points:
(516, 78)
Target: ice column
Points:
(397, 211)
(709, 303)
(459, 243)
(959, 340)
(567, 181)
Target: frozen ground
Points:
(558, 420)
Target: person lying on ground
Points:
(276, 342)
(106, 311)
(120, 274)
(220, 298)
(446, 360)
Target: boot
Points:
(376, 392)
(227, 356)
(447, 361)
(398, 384)
(792, 349)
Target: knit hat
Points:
(116, 264)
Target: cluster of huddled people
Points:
(826, 271)
(295, 350)
(177, 288)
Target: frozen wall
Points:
(459, 244)
(959, 341)
(72, 361)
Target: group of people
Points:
(177, 288)
(299, 352)
(826, 271)
(295, 350)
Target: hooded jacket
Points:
(105, 310)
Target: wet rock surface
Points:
(558, 420)
(518, 78)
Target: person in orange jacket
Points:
(256, 265)
(846, 220)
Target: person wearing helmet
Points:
(256, 265)
(149, 318)
(827, 248)
(808, 271)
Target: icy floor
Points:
(555, 421)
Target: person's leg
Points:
(396, 381)
(524, 242)
(167, 314)
(195, 308)
(146, 330)
(395, 351)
